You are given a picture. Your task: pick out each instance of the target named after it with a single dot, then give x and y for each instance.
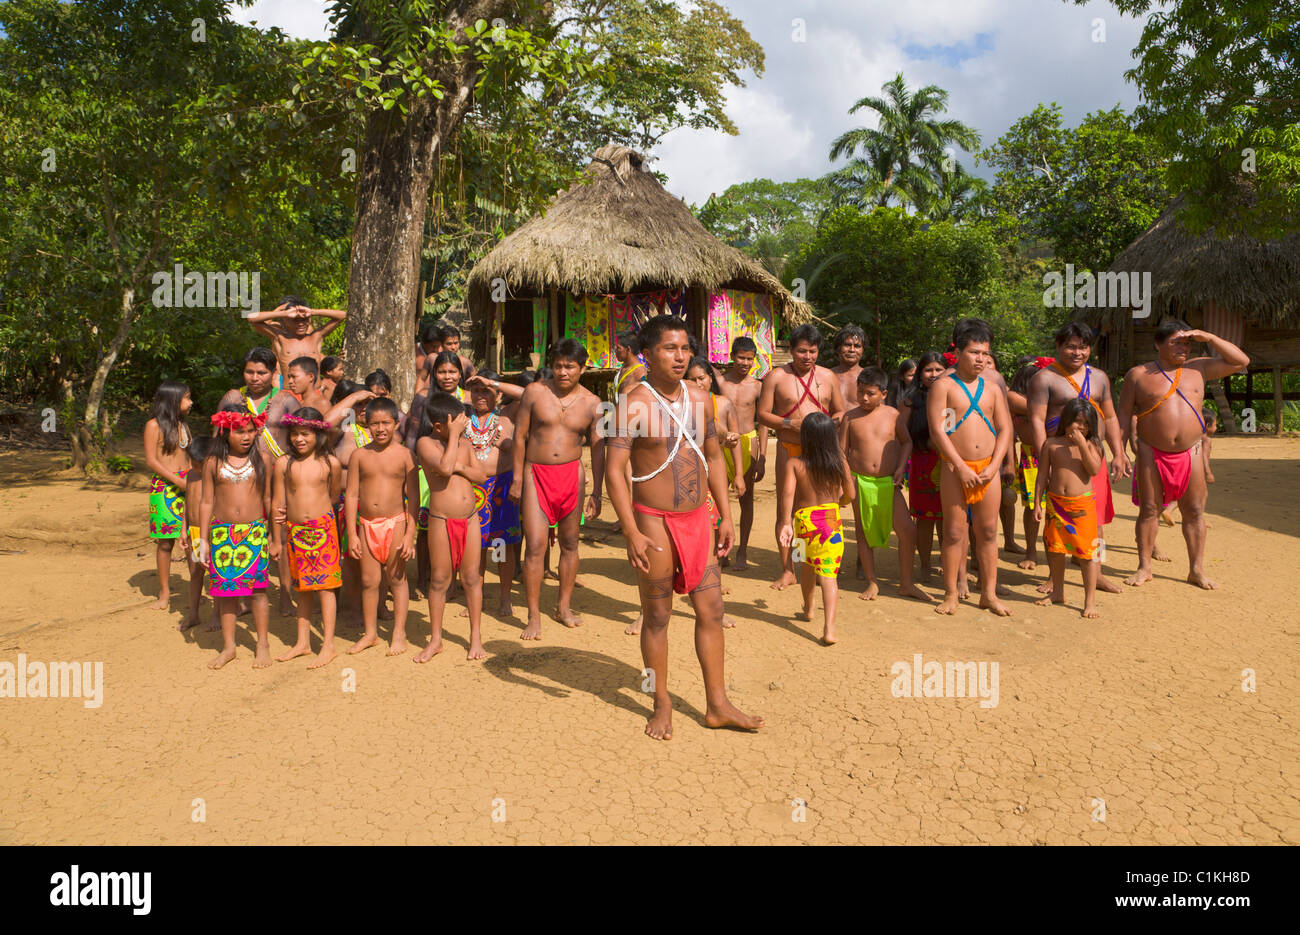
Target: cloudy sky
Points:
(997, 58)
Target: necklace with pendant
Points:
(236, 474)
(483, 437)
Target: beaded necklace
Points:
(483, 437)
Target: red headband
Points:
(1041, 362)
(236, 420)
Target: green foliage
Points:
(120, 464)
(765, 219)
(1088, 192)
(906, 281)
(1221, 91)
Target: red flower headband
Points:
(309, 423)
(1041, 362)
(236, 420)
(950, 358)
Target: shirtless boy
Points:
(1071, 378)
(877, 446)
(554, 416)
(1165, 398)
(289, 327)
(850, 342)
(970, 425)
(790, 392)
(382, 496)
(301, 382)
(667, 437)
(743, 391)
(454, 535)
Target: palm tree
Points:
(903, 157)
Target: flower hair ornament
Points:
(950, 358)
(292, 420)
(237, 420)
(1041, 362)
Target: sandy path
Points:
(1143, 708)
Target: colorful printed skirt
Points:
(923, 491)
(314, 557)
(821, 531)
(166, 509)
(237, 559)
(504, 520)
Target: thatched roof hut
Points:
(1241, 288)
(615, 231)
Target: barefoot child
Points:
(667, 436)
(451, 471)
(382, 496)
(199, 448)
(971, 427)
(236, 502)
(166, 437)
(305, 485)
(924, 503)
(814, 485)
(1027, 464)
(702, 375)
(744, 390)
(877, 447)
(491, 437)
(1066, 469)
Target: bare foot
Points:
(1050, 599)
(915, 593)
(731, 716)
(829, 638)
(1001, 591)
(1089, 612)
(634, 627)
(263, 658)
(948, 605)
(963, 590)
(727, 622)
(741, 562)
(1159, 556)
(1198, 578)
(363, 644)
(1045, 587)
(786, 579)
(1012, 548)
(187, 623)
(323, 658)
(476, 651)
(298, 649)
(533, 631)
(1105, 584)
(163, 602)
(660, 724)
(995, 605)
(1028, 564)
(805, 615)
(397, 647)
(505, 610)
(226, 655)
(1138, 578)
(568, 618)
(287, 610)
(870, 593)
(429, 652)
(1166, 518)
(213, 626)
(550, 575)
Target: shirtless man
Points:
(743, 391)
(288, 325)
(1070, 378)
(850, 342)
(631, 371)
(790, 392)
(553, 418)
(300, 380)
(1165, 398)
(258, 395)
(667, 437)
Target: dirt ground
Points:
(1138, 718)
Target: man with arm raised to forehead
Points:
(1069, 378)
(553, 418)
(1167, 395)
(666, 434)
(790, 392)
(743, 391)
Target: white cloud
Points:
(302, 19)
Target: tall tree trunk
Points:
(84, 445)
(397, 166)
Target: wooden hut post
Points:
(498, 352)
(1277, 400)
(554, 314)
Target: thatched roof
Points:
(617, 231)
(1259, 279)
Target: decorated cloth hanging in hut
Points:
(595, 320)
(733, 313)
(540, 322)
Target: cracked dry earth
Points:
(1143, 708)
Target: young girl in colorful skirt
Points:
(305, 486)
(233, 540)
(166, 436)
